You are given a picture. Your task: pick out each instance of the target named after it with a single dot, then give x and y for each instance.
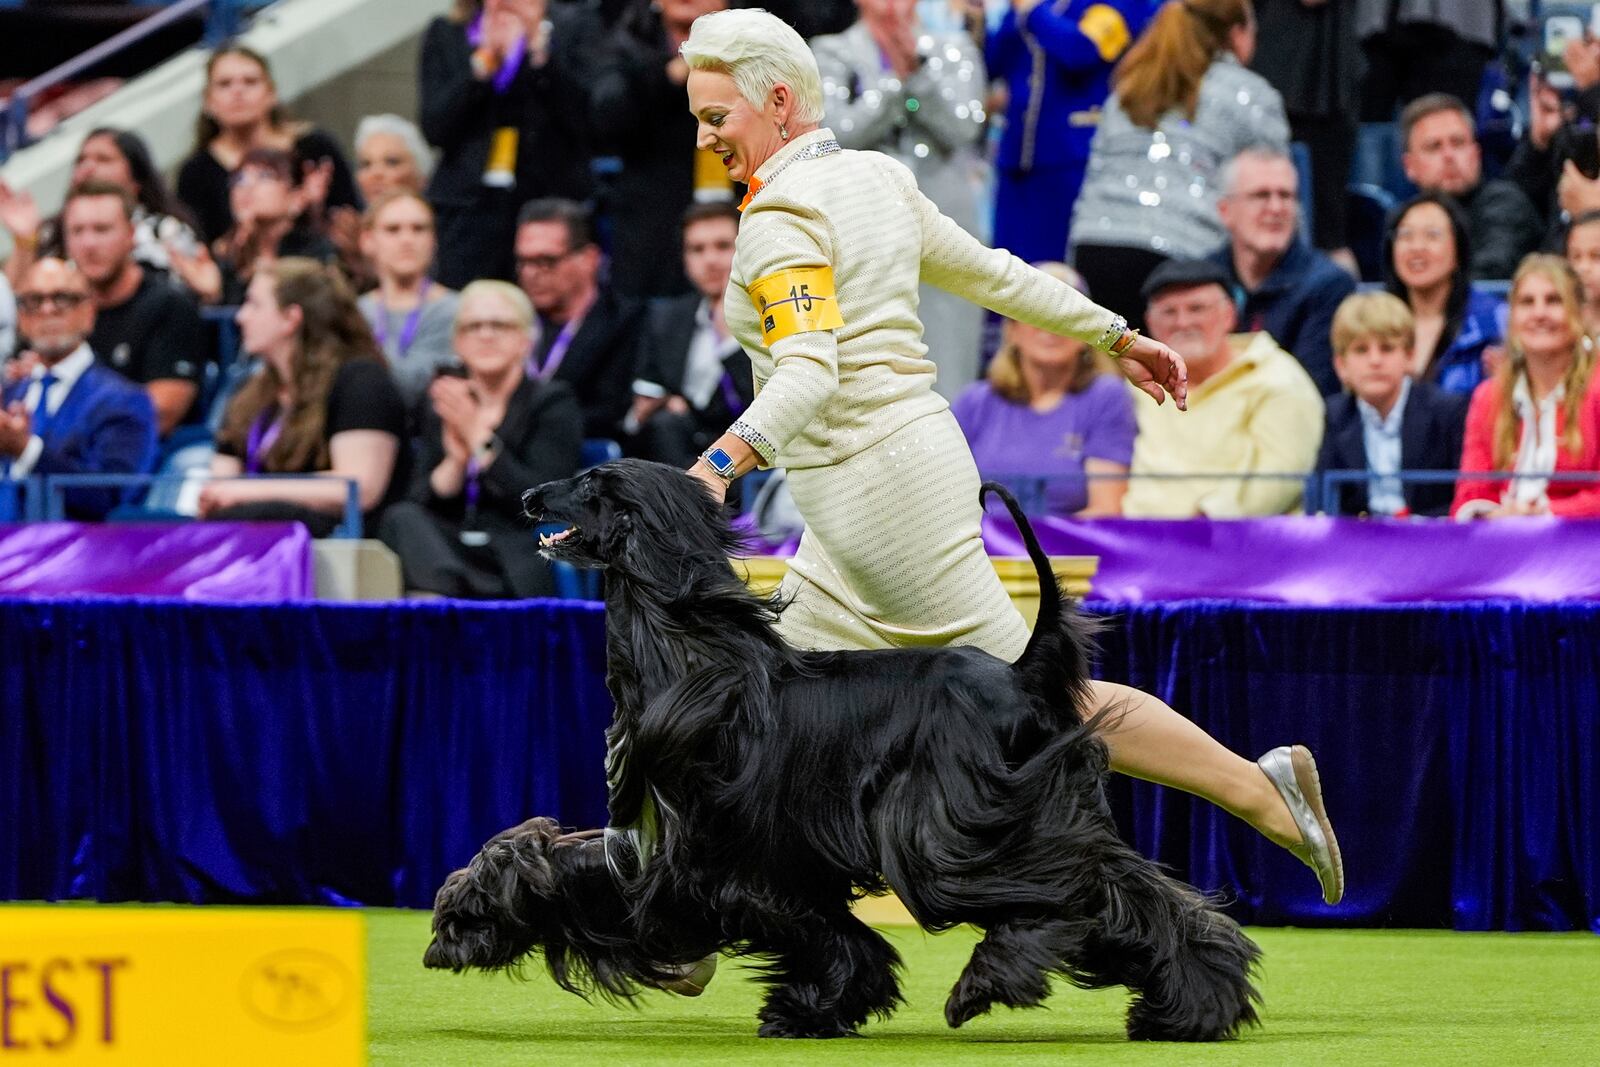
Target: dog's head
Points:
(509, 899)
(625, 514)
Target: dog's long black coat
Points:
(770, 786)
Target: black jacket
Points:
(541, 437)
(664, 352)
(600, 363)
(1503, 225)
(548, 106)
(1431, 434)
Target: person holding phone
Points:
(489, 432)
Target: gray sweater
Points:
(1157, 189)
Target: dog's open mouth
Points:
(549, 541)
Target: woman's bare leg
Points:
(1154, 742)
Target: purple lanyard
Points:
(730, 395)
(508, 66)
(262, 437)
(558, 350)
(471, 489)
(408, 329)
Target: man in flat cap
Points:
(1253, 409)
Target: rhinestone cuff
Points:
(756, 440)
(1113, 333)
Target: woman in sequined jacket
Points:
(917, 97)
(832, 249)
(1182, 105)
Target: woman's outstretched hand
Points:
(1157, 370)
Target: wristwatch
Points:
(721, 464)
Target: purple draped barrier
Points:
(195, 561)
(1323, 560)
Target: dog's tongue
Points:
(549, 539)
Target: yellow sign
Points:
(181, 985)
(795, 301)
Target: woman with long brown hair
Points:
(1182, 104)
(1540, 414)
(241, 112)
(322, 403)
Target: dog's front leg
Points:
(831, 973)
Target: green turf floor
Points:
(1409, 998)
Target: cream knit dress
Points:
(892, 553)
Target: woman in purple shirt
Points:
(1051, 411)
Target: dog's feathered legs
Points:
(830, 973)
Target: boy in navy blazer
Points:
(1386, 421)
(70, 414)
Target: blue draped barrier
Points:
(156, 750)
(319, 753)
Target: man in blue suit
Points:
(71, 415)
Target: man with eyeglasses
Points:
(588, 333)
(1279, 283)
(71, 414)
(146, 328)
(1253, 410)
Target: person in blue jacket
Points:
(1056, 58)
(70, 414)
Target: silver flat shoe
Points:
(692, 977)
(1293, 773)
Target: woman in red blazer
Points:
(1541, 413)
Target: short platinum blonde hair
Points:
(757, 50)
(514, 298)
(408, 134)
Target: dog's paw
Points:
(814, 1028)
(958, 1012)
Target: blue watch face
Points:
(719, 459)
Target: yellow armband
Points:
(795, 301)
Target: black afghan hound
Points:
(764, 788)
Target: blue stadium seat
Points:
(598, 450)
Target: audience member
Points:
(323, 403)
(71, 415)
(145, 328)
(641, 115)
(589, 333)
(694, 379)
(485, 439)
(1425, 256)
(1052, 408)
(1182, 103)
(411, 314)
(1056, 64)
(1280, 283)
(1387, 421)
(890, 86)
(1416, 47)
(1540, 414)
(391, 154)
(810, 18)
(1442, 156)
(1253, 410)
(241, 112)
(163, 239)
(1583, 253)
(503, 95)
(1315, 64)
(268, 202)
